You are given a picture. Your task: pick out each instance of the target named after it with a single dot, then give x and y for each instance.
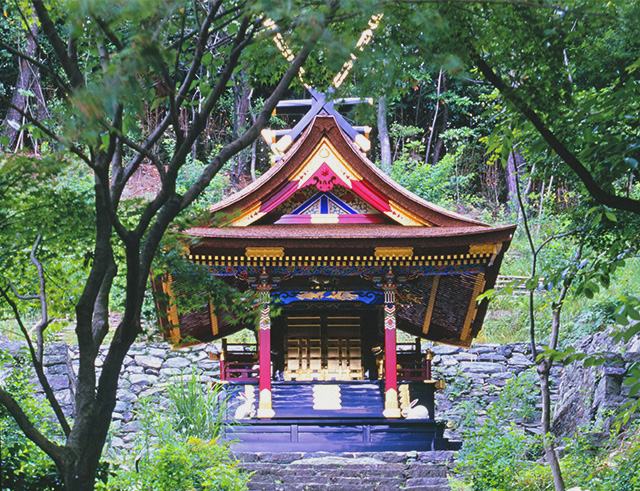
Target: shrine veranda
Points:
(348, 257)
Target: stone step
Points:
(381, 471)
(425, 458)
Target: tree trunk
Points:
(513, 165)
(432, 130)
(439, 145)
(383, 136)
(28, 80)
(544, 368)
(242, 98)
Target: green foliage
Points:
(198, 410)
(501, 457)
(193, 283)
(533, 477)
(441, 183)
(179, 448)
(192, 464)
(23, 466)
(495, 450)
(614, 466)
(52, 198)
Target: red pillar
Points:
(391, 407)
(265, 409)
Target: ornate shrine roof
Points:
(325, 209)
(324, 162)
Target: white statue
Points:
(415, 412)
(246, 409)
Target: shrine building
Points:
(348, 259)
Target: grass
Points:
(507, 319)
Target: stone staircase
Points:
(348, 471)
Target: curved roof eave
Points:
(303, 148)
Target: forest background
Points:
(506, 111)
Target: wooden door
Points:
(323, 347)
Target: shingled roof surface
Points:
(280, 174)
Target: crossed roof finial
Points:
(319, 103)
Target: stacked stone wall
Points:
(474, 377)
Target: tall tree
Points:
(116, 61)
(525, 51)
(27, 93)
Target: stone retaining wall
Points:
(475, 375)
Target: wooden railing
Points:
(239, 362)
(413, 365)
(411, 374)
(237, 371)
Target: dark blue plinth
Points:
(358, 426)
(338, 435)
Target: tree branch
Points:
(42, 66)
(104, 27)
(70, 67)
(51, 134)
(100, 321)
(534, 262)
(56, 452)
(200, 121)
(594, 189)
(172, 208)
(42, 296)
(201, 43)
(37, 365)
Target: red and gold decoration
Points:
(391, 407)
(265, 408)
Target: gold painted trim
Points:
(404, 216)
(309, 166)
(248, 216)
(393, 252)
(489, 248)
(405, 399)
(260, 252)
(277, 260)
(465, 334)
(391, 409)
(265, 409)
(213, 318)
(426, 324)
(327, 397)
(326, 218)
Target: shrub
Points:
(191, 464)
(197, 410)
(179, 447)
(494, 452)
(535, 477)
(611, 467)
(23, 465)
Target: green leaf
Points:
(610, 216)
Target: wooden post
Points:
(223, 360)
(427, 364)
(265, 409)
(391, 407)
